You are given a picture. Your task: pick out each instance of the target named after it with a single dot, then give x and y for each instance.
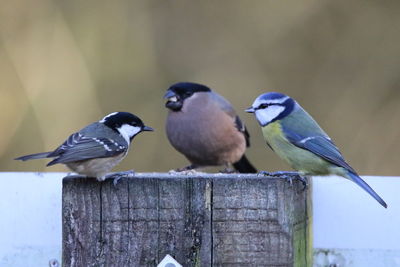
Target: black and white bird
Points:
(204, 127)
(96, 149)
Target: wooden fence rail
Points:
(200, 220)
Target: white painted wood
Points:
(30, 219)
(350, 228)
(356, 257)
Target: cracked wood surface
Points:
(200, 219)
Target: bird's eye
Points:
(187, 94)
(263, 105)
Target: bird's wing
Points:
(223, 104)
(242, 128)
(80, 147)
(320, 145)
(228, 109)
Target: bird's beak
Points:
(250, 110)
(171, 96)
(147, 128)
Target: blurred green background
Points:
(65, 64)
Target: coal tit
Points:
(96, 149)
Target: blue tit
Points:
(297, 138)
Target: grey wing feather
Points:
(79, 147)
(34, 156)
(242, 128)
(223, 104)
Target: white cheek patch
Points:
(127, 131)
(173, 99)
(266, 115)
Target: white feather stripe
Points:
(109, 115)
(259, 101)
(302, 141)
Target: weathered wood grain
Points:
(200, 220)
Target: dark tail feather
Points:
(34, 156)
(357, 179)
(244, 166)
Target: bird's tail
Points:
(244, 166)
(34, 156)
(357, 179)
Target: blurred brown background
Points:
(65, 64)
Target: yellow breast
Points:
(276, 139)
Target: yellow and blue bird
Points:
(298, 139)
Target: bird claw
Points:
(119, 175)
(290, 176)
(228, 170)
(191, 167)
(264, 173)
(298, 177)
(116, 179)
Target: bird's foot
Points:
(298, 177)
(184, 172)
(228, 170)
(264, 173)
(187, 169)
(283, 174)
(290, 176)
(116, 176)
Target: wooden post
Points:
(200, 220)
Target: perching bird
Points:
(97, 148)
(297, 138)
(204, 127)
